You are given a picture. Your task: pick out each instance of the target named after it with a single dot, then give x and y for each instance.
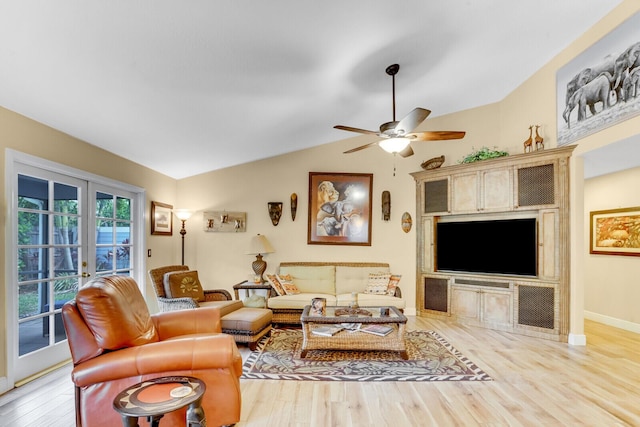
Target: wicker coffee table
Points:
(348, 340)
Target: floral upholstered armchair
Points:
(178, 288)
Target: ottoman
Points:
(247, 325)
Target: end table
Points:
(247, 286)
(154, 398)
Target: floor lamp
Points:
(183, 215)
(259, 245)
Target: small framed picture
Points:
(161, 219)
(615, 232)
(318, 307)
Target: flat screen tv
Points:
(508, 247)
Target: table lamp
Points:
(259, 245)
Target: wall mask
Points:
(386, 205)
(275, 212)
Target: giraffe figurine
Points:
(539, 140)
(528, 144)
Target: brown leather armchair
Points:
(116, 343)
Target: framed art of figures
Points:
(600, 87)
(161, 219)
(615, 232)
(339, 208)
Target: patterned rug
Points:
(431, 358)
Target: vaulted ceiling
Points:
(186, 87)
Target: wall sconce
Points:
(183, 215)
(259, 245)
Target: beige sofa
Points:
(333, 281)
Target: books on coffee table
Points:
(327, 331)
(380, 330)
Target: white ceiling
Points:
(186, 87)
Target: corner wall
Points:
(611, 285)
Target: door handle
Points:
(85, 274)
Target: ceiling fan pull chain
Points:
(394, 164)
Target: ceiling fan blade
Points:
(358, 130)
(435, 135)
(362, 147)
(411, 121)
(408, 151)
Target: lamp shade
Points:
(394, 145)
(260, 245)
(183, 214)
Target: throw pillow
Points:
(290, 288)
(180, 284)
(378, 283)
(275, 284)
(393, 284)
(255, 301)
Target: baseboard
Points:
(410, 311)
(4, 385)
(612, 321)
(577, 339)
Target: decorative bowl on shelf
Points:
(434, 163)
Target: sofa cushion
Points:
(299, 301)
(275, 284)
(377, 283)
(180, 284)
(354, 279)
(314, 279)
(371, 300)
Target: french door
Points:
(67, 231)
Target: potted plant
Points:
(483, 153)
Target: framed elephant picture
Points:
(601, 86)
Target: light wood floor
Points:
(536, 383)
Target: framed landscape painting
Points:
(601, 86)
(615, 232)
(161, 219)
(339, 208)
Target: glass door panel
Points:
(48, 230)
(65, 230)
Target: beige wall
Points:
(220, 256)
(611, 282)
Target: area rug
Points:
(431, 358)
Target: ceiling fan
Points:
(397, 135)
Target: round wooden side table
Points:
(154, 398)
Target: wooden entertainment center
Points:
(530, 185)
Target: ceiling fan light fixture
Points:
(394, 145)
